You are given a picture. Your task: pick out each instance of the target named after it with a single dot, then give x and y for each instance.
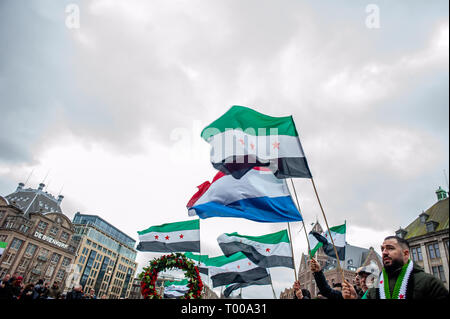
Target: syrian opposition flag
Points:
(175, 289)
(272, 250)
(201, 261)
(3, 246)
(173, 237)
(263, 281)
(243, 138)
(237, 268)
(323, 240)
(258, 196)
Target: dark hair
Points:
(402, 242)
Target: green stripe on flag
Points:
(201, 258)
(3, 244)
(223, 260)
(275, 238)
(251, 122)
(165, 228)
(183, 282)
(339, 229)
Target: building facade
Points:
(355, 257)
(39, 237)
(428, 238)
(106, 258)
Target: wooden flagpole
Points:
(298, 206)
(292, 251)
(329, 232)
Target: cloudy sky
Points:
(107, 99)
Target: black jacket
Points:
(324, 288)
(420, 286)
(74, 295)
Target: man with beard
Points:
(400, 277)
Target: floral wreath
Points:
(150, 274)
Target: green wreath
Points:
(150, 274)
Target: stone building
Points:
(428, 237)
(355, 257)
(39, 237)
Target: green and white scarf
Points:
(400, 285)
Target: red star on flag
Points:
(242, 141)
(249, 263)
(401, 296)
(276, 145)
(181, 236)
(156, 237)
(252, 146)
(239, 266)
(167, 237)
(381, 282)
(268, 250)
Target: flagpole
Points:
(289, 227)
(292, 251)
(271, 284)
(329, 231)
(298, 206)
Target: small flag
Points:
(201, 261)
(272, 250)
(172, 237)
(323, 240)
(257, 196)
(261, 282)
(237, 268)
(175, 289)
(3, 246)
(243, 138)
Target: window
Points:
(64, 236)
(44, 252)
(55, 258)
(9, 223)
(60, 275)
(438, 272)
(16, 244)
(433, 251)
(416, 253)
(436, 249)
(30, 250)
(54, 231)
(8, 258)
(42, 226)
(65, 262)
(50, 271)
(24, 228)
(24, 263)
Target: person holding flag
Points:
(400, 278)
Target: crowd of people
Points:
(13, 287)
(400, 278)
(398, 271)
